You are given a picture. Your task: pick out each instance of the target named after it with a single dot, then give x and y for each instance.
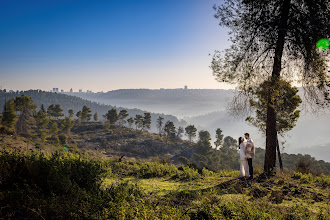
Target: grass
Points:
(78, 187)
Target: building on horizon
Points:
(55, 89)
(80, 90)
(71, 90)
(185, 87)
(62, 91)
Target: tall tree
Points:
(273, 41)
(204, 145)
(138, 120)
(78, 114)
(191, 132)
(55, 111)
(53, 130)
(71, 113)
(160, 125)
(86, 114)
(130, 122)
(146, 122)
(179, 132)
(112, 116)
(58, 111)
(122, 115)
(24, 105)
(9, 117)
(67, 124)
(169, 130)
(96, 117)
(218, 137)
(41, 120)
(51, 110)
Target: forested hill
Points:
(76, 103)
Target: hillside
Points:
(72, 102)
(82, 185)
(206, 109)
(95, 139)
(101, 172)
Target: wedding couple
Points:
(247, 152)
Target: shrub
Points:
(187, 174)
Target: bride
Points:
(244, 171)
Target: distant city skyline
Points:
(107, 45)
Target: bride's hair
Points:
(239, 142)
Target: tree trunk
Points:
(279, 155)
(271, 133)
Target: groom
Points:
(250, 151)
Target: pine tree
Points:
(112, 116)
(191, 132)
(9, 116)
(41, 120)
(67, 124)
(219, 137)
(24, 105)
(96, 117)
(169, 129)
(204, 145)
(122, 115)
(130, 122)
(86, 114)
(71, 113)
(57, 111)
(160, 123)
(53, 130)
(146, 122)
(269, 38)
(138, 120)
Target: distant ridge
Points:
(76, 103)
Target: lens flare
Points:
(323, 44)
(65, 148)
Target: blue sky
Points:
(103, 45)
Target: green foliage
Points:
(138, 120)
(130, 122)
(146, 122)
(187, 174)
(9, 116)
(41, 120)
(53, 130)
(219, 137)
(112, 116)
(62, 138)
(191, 132)
(285, 101)
(169, 130)
(86, 114)
(67, 125)
(25, 106)
(71, 113)
(159, 125)
(55, 111)
(204, 144)
(95, 116)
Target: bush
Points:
(303, 165)
(187, 174)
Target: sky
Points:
(103, 45)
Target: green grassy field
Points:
(73, 186)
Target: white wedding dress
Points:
(244, 168)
